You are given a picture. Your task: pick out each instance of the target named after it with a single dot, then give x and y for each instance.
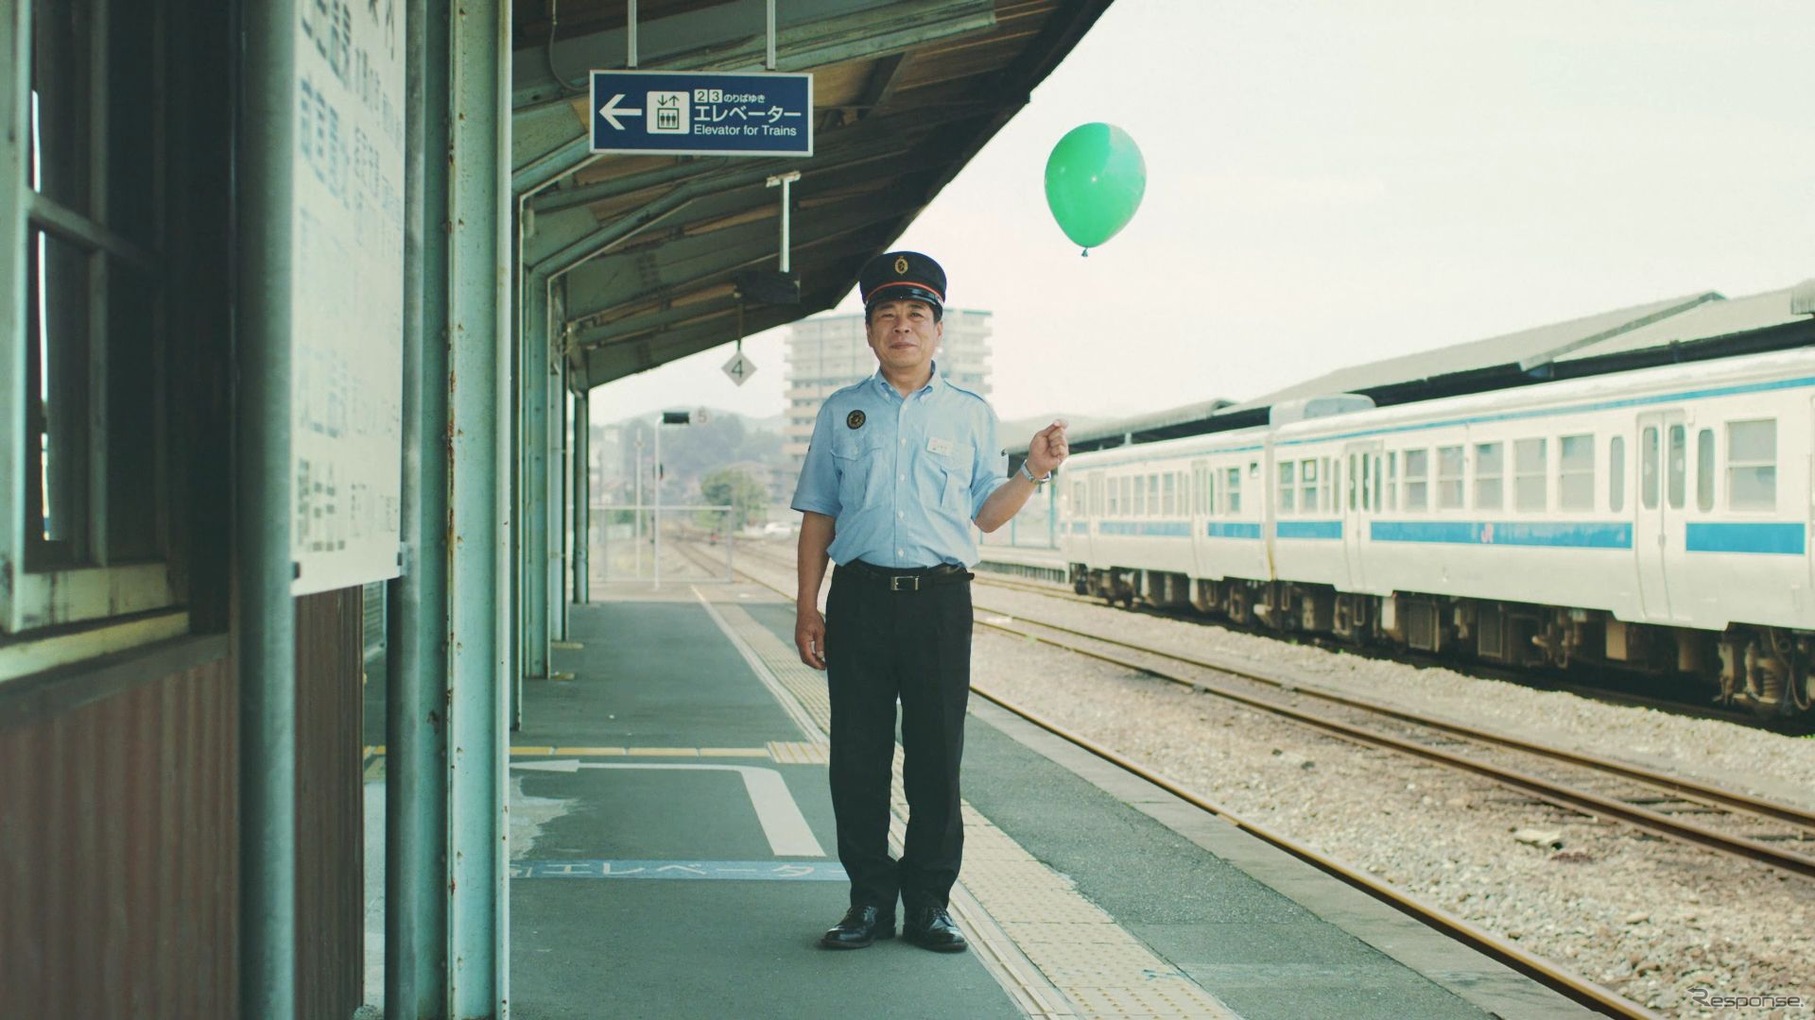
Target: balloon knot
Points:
(1084, 254)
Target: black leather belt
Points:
(905, 578)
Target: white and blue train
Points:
(1657, 519)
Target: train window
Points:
(1210, 492)
(1392, 483)
(1575, 473)
(1704, 470)
(1752, 465)
(1531, 475)
(1232, 492)
(1449, 477)
(1307, 478)
(1153, 495)
(1648, 458)
(1288, 491)
(1490, 467)
(1417, 471)
(1616, 474)
(1169, 495)
(1128, 492)
(1677, 463)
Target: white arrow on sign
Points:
(786, 828)
(611, 112)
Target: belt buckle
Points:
(912, 583)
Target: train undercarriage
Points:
(1766, 670)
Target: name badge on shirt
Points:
(942, 447)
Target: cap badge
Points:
(854, 420)
(901, 265)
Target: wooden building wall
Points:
(119, 847)
(119, 830)
(330, 813)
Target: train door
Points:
(1658, 509)
(1357, 496)
(1199, 507)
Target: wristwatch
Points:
(1028, 474)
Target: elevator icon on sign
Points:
(667, 113)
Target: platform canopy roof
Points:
(649, 256)
(1491, 363)
(1695, 326)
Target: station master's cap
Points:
(902, 276)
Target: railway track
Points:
(1615, 688)
(1545, 972)
(1751, 828)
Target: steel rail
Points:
(1558, 794)
(1676, 784)
(1609, 694)
(1564, 982)
(1551, 976)
(1555, 793)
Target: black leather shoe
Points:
(860, 927)
(932, 928)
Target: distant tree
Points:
(735, 488)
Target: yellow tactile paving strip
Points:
(798, 752)
(1082, 955)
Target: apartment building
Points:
(830, 352)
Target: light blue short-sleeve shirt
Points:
(903, 478)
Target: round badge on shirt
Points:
(854, 420)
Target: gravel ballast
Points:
(1662, 923)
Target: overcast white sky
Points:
(1333, 182)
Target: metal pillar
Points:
(266, 610)
(416, 776)
(657, 525)
(556, 578)
(582, 497)
(480, 502)
(533, 549)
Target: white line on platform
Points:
(784, 825)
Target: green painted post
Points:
(554, 578)
(416, 775)
(479, 574)
(267, 611)
(582, 497)
(533, 550)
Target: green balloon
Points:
(1095, 178)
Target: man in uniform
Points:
(900, 466)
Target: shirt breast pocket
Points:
(859, 480)
(957, 498)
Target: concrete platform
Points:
(672, 851)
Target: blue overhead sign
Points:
(702, 113)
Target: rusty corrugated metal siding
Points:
(330, 814)
(119, 853)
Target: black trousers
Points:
(915, 646)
